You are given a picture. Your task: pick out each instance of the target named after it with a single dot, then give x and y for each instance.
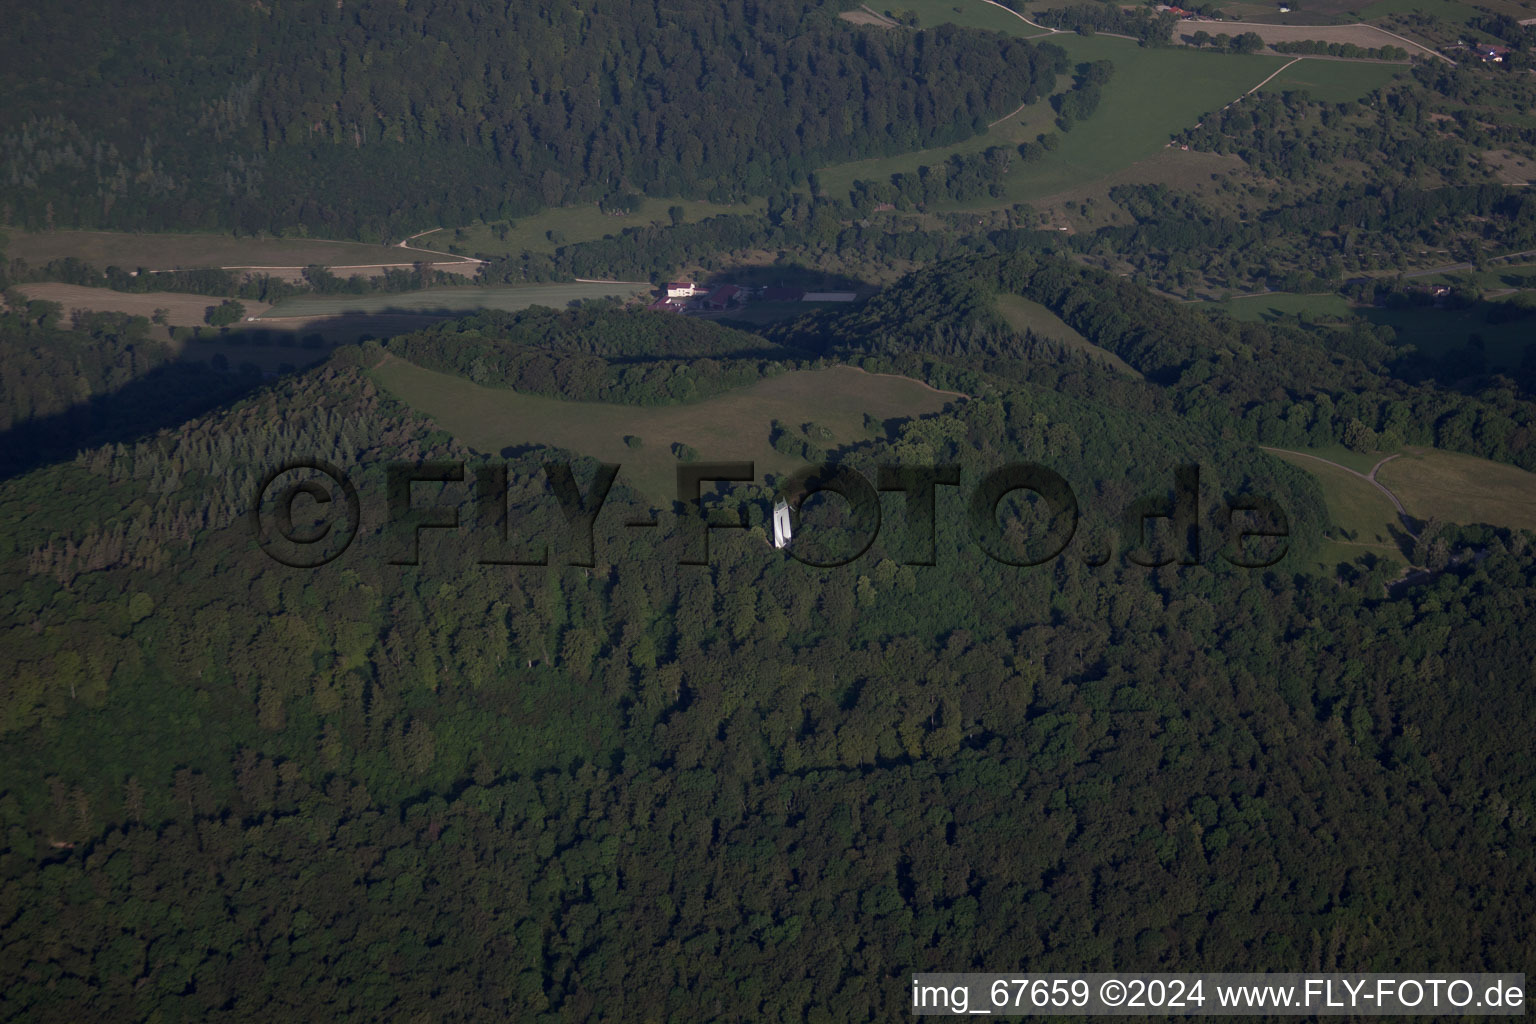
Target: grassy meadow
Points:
(731, 426)
(185, 251)
(1155, 93)
(1369, 522)
(1333, 81)
(453, 300)
(1275, 305)
(1459, 488)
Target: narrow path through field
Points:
(883, 19)
(1452, 267)
(405, 243)
(1266, 81)
(1369, 478)
(1016, 14)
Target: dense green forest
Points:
(752, 790)
(1186, 723)
(374, 119)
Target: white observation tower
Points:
(781, 528)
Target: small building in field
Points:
(682, 290)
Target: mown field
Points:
(1027, 315)
(1368, 36)
(453, 300)
(732, 426)
(1460, 488)
(270, 346)
(180, 251)
(182, 309)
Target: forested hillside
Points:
(755, 790)
(1273, 384)
(372, 119)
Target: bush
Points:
(225, 313)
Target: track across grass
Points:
(734, 425)
(965, 13)
(1333, 81)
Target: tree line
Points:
(373, 120)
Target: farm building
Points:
(723, 297)
(682, 290)
(666, 306)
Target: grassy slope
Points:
(1155, 93)
(729, 426)
(457, 300)
(1023, 314)
(1356, 506)
(1462, 488)
(1333, 81)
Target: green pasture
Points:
(731, 426)
(1333, 81)
(1155, 93)
(1026, 315)
(453, 300)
